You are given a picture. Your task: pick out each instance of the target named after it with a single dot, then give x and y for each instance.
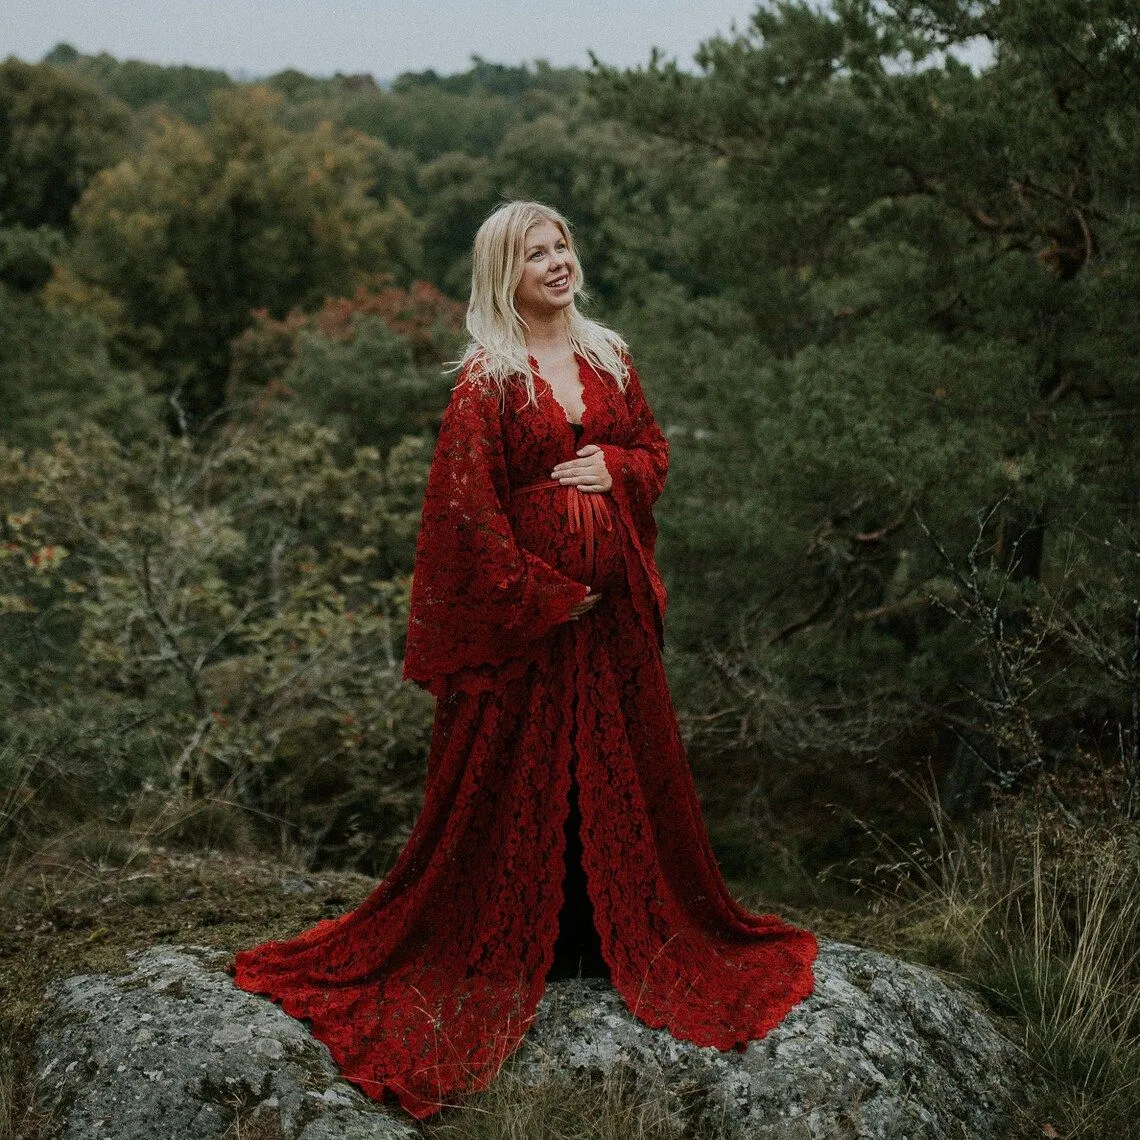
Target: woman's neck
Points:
(547, 334)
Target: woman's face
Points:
(549, 273)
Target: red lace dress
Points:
(425, 989)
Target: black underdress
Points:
(578, 950)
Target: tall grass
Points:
(1042, 914)
(617, 1106)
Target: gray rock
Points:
(174, 1051)
(881, 1049)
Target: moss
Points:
(72, 912)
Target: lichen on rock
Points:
(174, 1050)
(882, 1050)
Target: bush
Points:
(213, 618)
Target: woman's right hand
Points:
(585, 605)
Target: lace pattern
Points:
(423, 991)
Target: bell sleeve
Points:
(638, 469)
(478, 601)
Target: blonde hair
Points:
(497, 349)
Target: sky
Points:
(251, 38)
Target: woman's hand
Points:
(585, 605)
(587, 473)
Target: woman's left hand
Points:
(587, 473)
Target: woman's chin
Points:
(539, 314)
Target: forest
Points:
(884, 303)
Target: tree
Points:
(203, 226)
(213, 616)
(56, 132)
(177, 89)
(909, 297)
(368, 366)
(55, 372)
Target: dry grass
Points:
(618, 1107)
(84, 898)
(80, 902)
(1044, 919)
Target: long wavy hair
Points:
(497, 348)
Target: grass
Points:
(617, 1107)
(1042, 915)
(86, 897)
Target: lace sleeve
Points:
(638, 469)
(478, 599)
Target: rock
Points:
(174, 1051)
(881, 1049)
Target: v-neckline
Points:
(583, 374)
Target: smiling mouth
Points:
(559, 282)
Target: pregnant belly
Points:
(583, 540)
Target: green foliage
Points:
(367, 366)
(203, 226)
(55, 371)
(180, 89)
(27, 256)
(429, 115)
(365, 387)
(910, 305)
(56, 131)
(207, 618)
(458, 145)
(882, 302)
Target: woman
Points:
(555, 761)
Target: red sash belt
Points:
(585, 510)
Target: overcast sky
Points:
(384, 37)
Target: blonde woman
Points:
(561, 832)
